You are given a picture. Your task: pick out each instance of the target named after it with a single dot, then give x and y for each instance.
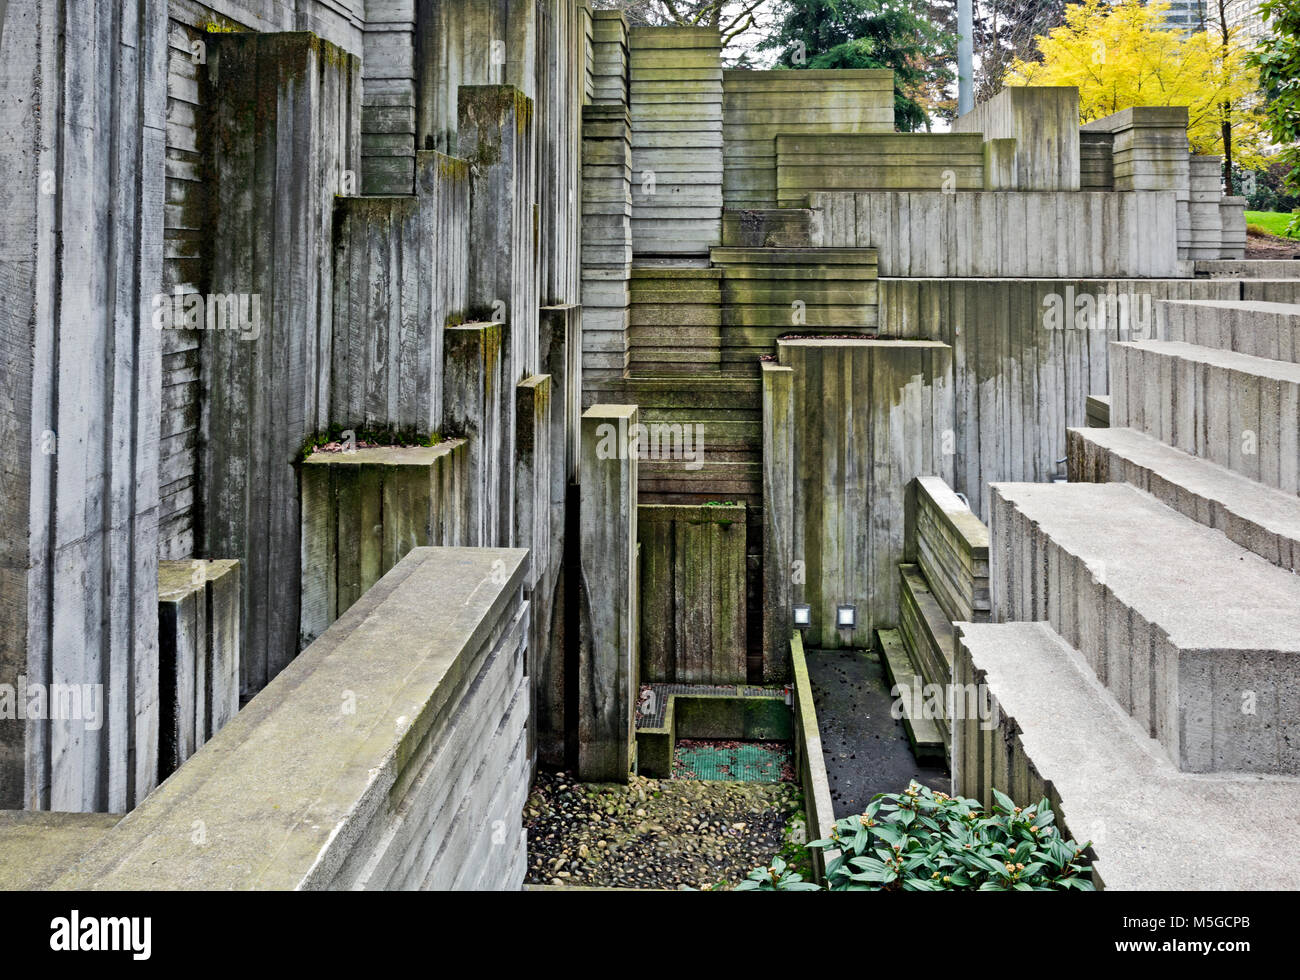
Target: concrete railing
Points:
(391, 754)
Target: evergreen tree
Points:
(871, 34)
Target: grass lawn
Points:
(1273, 222)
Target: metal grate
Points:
(737, 762)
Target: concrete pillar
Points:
(606, 240)
(609, 68)
(401, 271)
(560, 342)
(1044, 122)
(472, 385)
(82, 146)
(281, 104)
(1151, 154)
(388, 99)
(782, 578)
(533, 461)
(198, 631)
(496, 138)
(676, 108)
(607, 668)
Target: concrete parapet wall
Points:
(951, 547)
(692, 598)
(1006, 233)
(390, 755)
(1044, 122)
(759, 106)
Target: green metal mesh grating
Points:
(747, 762)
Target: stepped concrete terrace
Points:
(1055, 731)
(1124, 579)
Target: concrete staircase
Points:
(1143, 666)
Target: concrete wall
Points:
(950, 545)
(758, 106)
(1044, 122)
(83, 103)
(427, 704)
(282, 103)
(1027, 353)
(869, 417)
(1007, 233)
(936, 162)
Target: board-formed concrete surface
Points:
(1124, 580)
(389, 754)
(1239, 411)
(1151, 826)
(1269, 330)
(1259, 518)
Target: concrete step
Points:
(921, 718)
(1270, 330)
(1259, 518)
(1151, 826)
(1196, 637)
(1237, 410)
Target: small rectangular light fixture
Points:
(802, 616)
(846, 617)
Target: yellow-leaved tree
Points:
(1119, 56)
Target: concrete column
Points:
(198, 630)
(533, 460)
(281, 104)
(606, 240)
(83, 103)
(561, 351)
(607, 668)
(780, 588)
(401, 269)
(388, 99)
(364, 510)
(609, 68)
(496, 138)
(472, 385)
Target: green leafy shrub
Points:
(921, 840)
(779, 877)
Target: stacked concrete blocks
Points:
(607, 239)
(676, 111)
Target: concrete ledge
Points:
(1251, 268)
(1054, 732)
(200, 607)
(951, 546)
(1233, 409)
(809, 761)
(1186, 629)
(390, 754)
(1270, 330)
(1259, 518)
